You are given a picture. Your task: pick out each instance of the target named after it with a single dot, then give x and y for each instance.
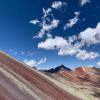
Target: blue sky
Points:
(48, 33)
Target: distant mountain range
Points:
(58, 69)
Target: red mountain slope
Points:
(83, 74)
(18, 82)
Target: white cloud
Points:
(67, 47)
(46, 12)
(42, 60)
(91, 35)
(68, 50)
(34, 21)
(46, 28)
(47, 24)
(58, 4)
(31, 63)
(53, 43)
(40, 34)
(77, 13)
(84, 55)
(63, 46)
(54, 23)
(72, 38)
(98, 64)
(83, 2)
(73, 45)
(72, 21)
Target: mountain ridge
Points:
(58, 69)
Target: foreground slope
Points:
(18, 82)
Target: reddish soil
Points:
(83, 74)
(34, 79)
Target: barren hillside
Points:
(19, 82)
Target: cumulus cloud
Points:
(98, 64)
(83, 2)
(42, 60)
(91, 35)
(69, 50)
(73, 45)
(52, 43)
(31, 63)
(58, 4)
(72, 21)
(62, 45)
(83, 55)
(65, 47)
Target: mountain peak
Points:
(58, 68)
